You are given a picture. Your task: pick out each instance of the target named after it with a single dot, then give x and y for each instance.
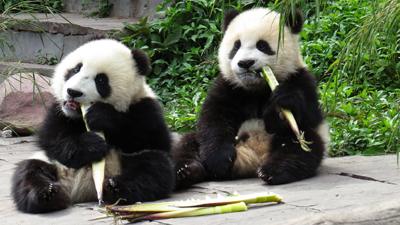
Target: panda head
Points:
(251, 41)
(101, 71)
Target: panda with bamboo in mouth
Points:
(241, 132)
(109, 78)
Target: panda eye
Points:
(73, 71)
(77, 68)
(237, 45)
(263, 46)
(235, 48)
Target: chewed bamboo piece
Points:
(269, 76)
(187, 208)
(98, 168)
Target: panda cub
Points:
(240, 132)
(110, 77)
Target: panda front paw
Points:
(219, 162)
(292, 100)
(114, 191)
(274, 120)
(101, 117)
(92, 148)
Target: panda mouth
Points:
(251, 74)
(72, 105)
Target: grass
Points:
(354, 55)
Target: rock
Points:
(23, 103)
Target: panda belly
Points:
(78, 183)
(252, 148)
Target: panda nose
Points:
(245, 64)
(74, 93)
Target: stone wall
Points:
(121, 8)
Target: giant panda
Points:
(109, 77)
(240, 131)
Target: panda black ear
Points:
(142, 62)
(295, 21)
(228, 17)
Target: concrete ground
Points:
(348, 190)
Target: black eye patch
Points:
(263, 46)
(73, 71)
(102, 85)
(235, 48)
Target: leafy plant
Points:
(31, 6)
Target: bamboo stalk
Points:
(195, 211)
(178, 205)
(269, 76)
(98, 168)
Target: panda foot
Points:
(48, 193)
(273, 176)
(189, 173)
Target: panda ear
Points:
(229, 16)
(295, 21)
(142, 62)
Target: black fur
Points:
(102, 85)
(142, 62)
(228, 17)
(227, 107)
(140, 134)
(295, 21)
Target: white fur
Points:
(251, 26)
(323, 132)
(102, 56)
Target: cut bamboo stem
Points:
(196, 211)
(177, 205)
(269, 76)
(187, 208)
(98, 168)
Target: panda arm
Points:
(66, 140)
(218, 124)
(299, 95)
(141, 127)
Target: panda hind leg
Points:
(287, 162)
(36, 188)
(189, 169)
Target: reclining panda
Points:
(240, 132)
(111, 77)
